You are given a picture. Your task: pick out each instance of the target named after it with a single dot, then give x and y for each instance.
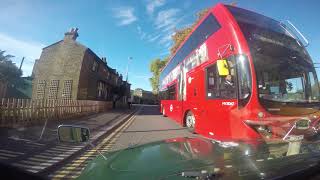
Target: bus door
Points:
(178, 104)
(221, 101)
(193, 95)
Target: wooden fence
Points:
(3, 89)
(22, 112)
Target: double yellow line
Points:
(70, 168)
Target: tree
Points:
(10, 74)
(179, 36)
(155, 67)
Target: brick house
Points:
(70, 70)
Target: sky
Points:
(140, 29)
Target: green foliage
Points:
(9, 73)
(178, 38)
(289, 86)
(155, 67)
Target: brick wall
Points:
(68, 66)
(88, 85)
(59, 62)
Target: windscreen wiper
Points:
(201, 174)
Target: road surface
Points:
(146, 125)
(149, 126)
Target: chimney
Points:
(71, 35)
(104, 59)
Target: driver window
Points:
(220, 86)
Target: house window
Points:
(67, 89)
(102, 90)
(94, 66)
(53, 89)
(41, 89)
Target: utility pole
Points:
(21, 63)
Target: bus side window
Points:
(169, 93)
(172, 92)
(212, 82)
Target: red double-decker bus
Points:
(241, 75)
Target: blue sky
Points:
(121, 29)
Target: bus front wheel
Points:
(190, 121)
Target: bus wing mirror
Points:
(223, 68)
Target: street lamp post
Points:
(127, 71)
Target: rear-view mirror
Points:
(223, 68)
(73, 134)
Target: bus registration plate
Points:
(294, 144)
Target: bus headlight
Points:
(260, 115)
(263, 130)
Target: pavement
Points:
(36, 148)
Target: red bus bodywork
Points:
(224, 118)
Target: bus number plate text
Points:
(227, 103)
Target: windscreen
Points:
(284, 70)
(285, 78)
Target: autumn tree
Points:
(155, 67)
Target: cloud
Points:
(20, 48)
(166, 38)
(166, 22)
(152, 38)
(125, 15)
(141, 33)
(152, 5)
(166, 18)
